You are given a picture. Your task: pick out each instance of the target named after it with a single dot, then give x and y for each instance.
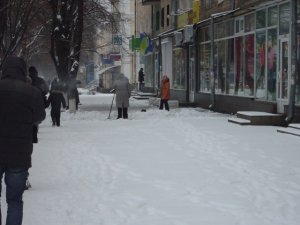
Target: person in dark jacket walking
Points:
(22, 107)
(141, 79)
(42, 86)
(165, 93)
(56, 99)
(123, 92)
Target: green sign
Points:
(135, 43)
(117, 40)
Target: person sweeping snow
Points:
(123, 92)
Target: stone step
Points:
(262, 118)
(289, 130)
(239, 121)
(295, 125)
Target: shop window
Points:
(220, 66)
(249, 65)
(272, 16)
(261, 19)
(204, 64)
(272, 64)
(260, 64)
(179, 68)
(249, 22)
(229, 82)
(239, 66)
(284, 19)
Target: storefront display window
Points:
(179, 69)
(204, 67)
(261, 19)
(249, 65)
(260, 64)
(284, 19)
(220, 66)
(272, 65)
(229, 88)
(239, 66)
(272, 16)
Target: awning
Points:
(107, 68)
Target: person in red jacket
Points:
(164, 93)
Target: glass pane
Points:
(249, 65)
(220, 66)
(272, 16)
(239, 66)
(229, 88)
(284, 69)
(272, 65)
(260, 64)
(284, 18)
(260, 19)
(249, 22)
(179, 68)
(204, 67)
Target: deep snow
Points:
(188, 166)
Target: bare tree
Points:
(68, 18)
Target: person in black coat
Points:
(22, 107)
(42, 86)
(141, 79)
(55, 98)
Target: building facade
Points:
(231, 55)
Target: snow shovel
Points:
(112, 102)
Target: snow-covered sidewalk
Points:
(183, 167)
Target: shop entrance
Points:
(283, 74)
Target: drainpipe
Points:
(294, 68)
(212, 74)
(187, 73)
(159, 61)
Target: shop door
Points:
(283, 75)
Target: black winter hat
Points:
(14, 67)
(32, 71)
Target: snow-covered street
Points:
(188, 166)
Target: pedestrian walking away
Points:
(56, 100)
(165, 93)
(141, 79)
(123, 92)
(22, 106)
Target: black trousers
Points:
(55, 116)
(122, 112)
(164, 102)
